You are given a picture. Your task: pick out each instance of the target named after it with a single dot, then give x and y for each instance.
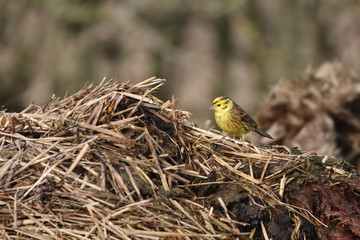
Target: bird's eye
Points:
(218, 105)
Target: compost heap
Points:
(114, 162)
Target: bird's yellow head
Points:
(222, 104)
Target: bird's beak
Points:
(211, 108)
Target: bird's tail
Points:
(262, 133)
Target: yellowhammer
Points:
(232, 119)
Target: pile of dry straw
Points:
(114, 162)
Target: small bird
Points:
(232, 119)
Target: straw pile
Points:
(114, 162)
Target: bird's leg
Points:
(243, 137)
(243, 140)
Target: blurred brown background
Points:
(203, 48)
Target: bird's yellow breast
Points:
(224, 121)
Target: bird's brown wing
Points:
(246, 118)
